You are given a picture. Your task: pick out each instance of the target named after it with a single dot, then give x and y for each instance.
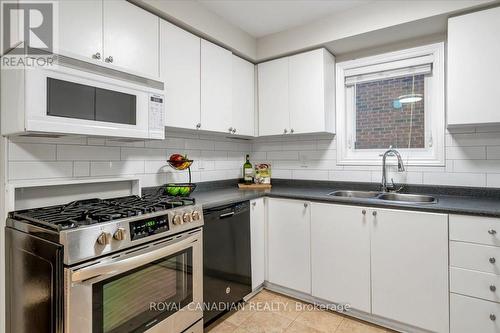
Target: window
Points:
(394, 99)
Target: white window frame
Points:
(434, 99)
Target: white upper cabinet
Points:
(289, 244)
(296, 94)
(473, 68)
(107, 32)
(80, 28)
(409, 268)
(243, 97)
(131, 37)
(216, 87)
(340, 254)
(274, 115)
(180, 69)
(311, 92)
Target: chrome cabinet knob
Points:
(109, 59)
(306, 204)
(285, 131)
(493, 288)
(230, 130)
(492, 260)
(493, 317)
(363, 212)
(291, 131)
(198, 126)
(195, 215)
(177, 220)
(492, 231)
(96, 55)
(254, 204)
(187, 217)
(104, 238)
(234, 130)
(120, 234)
(374, 213)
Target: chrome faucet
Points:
(401, 168)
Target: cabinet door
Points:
(274, 115)
(311, 92)
(180, 69)
(473, 68)
(289, 244)
(258, 241)
(131, 37)
(216, 87)
(80, 28)
(340, 254)
(243, 97)
(409, 262)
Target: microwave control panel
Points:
(156, 116)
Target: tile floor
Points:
(268, 312)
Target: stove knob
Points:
(177, 220)
(120, 234)
(196, 215)
(187, 217)
(104, 238)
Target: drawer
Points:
(475, 229)
(468, 315)
(482, 258)
(476, 284)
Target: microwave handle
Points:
(123, 265)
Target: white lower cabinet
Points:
(340, 254)
(388, 263)
(258, 241)
(289, 244)
(409, 268)
(468, 314)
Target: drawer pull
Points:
(363, 212)
(493, 288)
(493, 317)
(492, 260)
(492, 231)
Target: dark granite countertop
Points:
(452, 200)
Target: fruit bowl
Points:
(179, 162)
(180, 189)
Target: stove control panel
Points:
(148, 227)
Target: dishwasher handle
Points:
(226, 215)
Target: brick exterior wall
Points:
(379, 124)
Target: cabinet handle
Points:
(234, 130)
(492, 260)
(493, 317)
(254, 204)
(97, 56)
(492, 231)
(230, 129)
(109, 59)
(291, 131)
(493, 288)
(374, 213)
(285, 131)
(363, 212)
(306, 204)
(198, 126)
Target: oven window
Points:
(137, 300)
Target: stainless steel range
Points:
(130, 264)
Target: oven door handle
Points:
(113, 268)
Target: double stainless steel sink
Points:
(387, 196)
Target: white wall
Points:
(195, 17)
(472, 159)
(359, 20)
(216, 157)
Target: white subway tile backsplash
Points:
(310, 174)
(116, 168)
(348, 175)
(486, 166)
(40, 170)
(95, 141)
(299, 145)
(143, 154)
(31, 152)
(455, 179)
(200, 144)
(214, 155)
(466, 153)
(81, 169)
(493, 152)
(493, 180)
(87, 153)
(283, 155)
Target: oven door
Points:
(155, 288)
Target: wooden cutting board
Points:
(254, 186)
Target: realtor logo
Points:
(28, 27)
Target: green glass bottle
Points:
(248, 171)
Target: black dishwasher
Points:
(227, 276)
